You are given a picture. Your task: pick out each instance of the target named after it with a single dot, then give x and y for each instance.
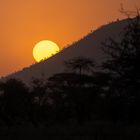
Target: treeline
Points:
(83, 92)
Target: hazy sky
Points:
(25, 22)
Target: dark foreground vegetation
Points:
(84, 102)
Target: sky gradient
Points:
(26, 22)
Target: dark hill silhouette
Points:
(89, 46)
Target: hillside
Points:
(88, 46)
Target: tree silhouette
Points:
(74, 92)
(80, 64)
(123, 68)
(38, 99)
(15, 101)
(38, 89)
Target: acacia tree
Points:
(73, 91)
(80, 64)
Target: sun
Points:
(44, 49)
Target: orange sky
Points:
(25, 22)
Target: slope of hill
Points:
(89, 46)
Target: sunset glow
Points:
(23, 23)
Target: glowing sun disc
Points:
(44, 49)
